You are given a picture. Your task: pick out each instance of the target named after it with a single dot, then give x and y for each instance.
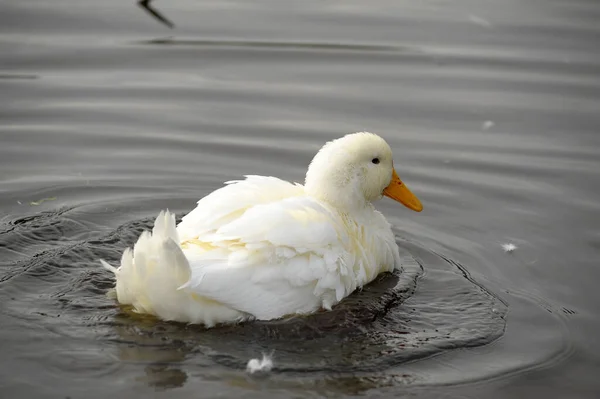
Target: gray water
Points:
(492, 110)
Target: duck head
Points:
(355, 170)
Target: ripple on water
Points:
(432, 306)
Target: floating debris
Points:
(39, 202)
(260, 366)
(487, 125)
(509, 247)
(145, 4)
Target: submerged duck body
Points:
(263, 248)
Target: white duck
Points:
(263, 248)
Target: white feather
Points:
(509, 247)
(261, 366)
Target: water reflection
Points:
(269, 44)
(357, 345)
(161, 363)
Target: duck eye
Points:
(375, 161)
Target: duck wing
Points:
(267, 254)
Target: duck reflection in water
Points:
(162, 361)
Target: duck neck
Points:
(345, 198)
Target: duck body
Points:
(259, 248)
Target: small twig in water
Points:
(145, 4)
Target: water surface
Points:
(491, 108)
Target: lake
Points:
(492, 110)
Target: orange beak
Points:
(399, 192)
